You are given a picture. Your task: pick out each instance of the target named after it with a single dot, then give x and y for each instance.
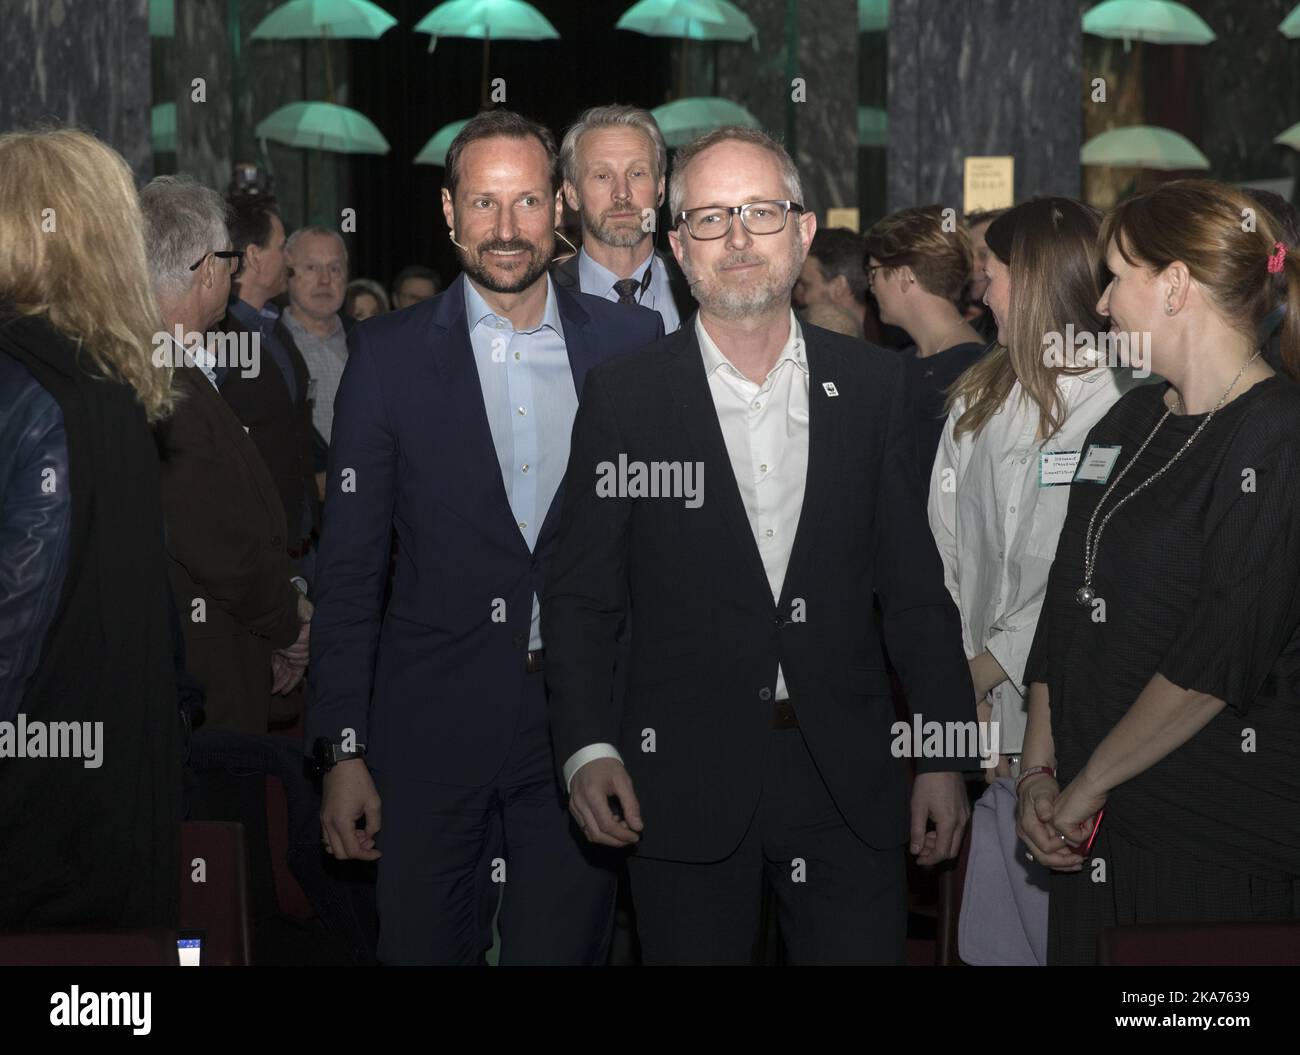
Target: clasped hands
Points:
(289, 664)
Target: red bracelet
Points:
(1034, 772)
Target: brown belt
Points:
(536, 661)
(783, 716)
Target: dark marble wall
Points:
(983, 77)
(79, 63)
(817, 41)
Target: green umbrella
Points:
(873, 126)
(435, 150)
(162, 18)
(486, 20)
(873, 15)
(1143, 146)
(325, 20)
(688, 20)
(1289, 138)
(1290, 26)
(163, 122)
(323, 126)
(1157, 21)
(684, 119)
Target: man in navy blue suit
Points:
(451, 429)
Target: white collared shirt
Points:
(996, 526)
(765, 429)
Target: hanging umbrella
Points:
(1290, 26)
(873, 15)
(1289, 138)
(1157, 21)
(683, 119)
(873, 126)
(1143, 146)
(688, 19)
(435, 150)
(162, 18)
(163, 128)
(323, 126)
(325, 20)
(486, 20)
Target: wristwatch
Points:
(327, 754)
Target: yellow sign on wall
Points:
(843, 218)
(990, 184)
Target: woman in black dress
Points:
(1165, 672)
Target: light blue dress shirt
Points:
(531, 401)
(598, 280)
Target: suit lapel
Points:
(824, 422)
(453, 356)
(694, 401)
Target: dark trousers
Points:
(450, 853)
(838, 900)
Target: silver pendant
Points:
(1085, 595)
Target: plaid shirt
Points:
(325, 358)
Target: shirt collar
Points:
(477, 309)
(596, 278)
(714, 359)
(201, 357)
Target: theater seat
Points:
(218, 905)
(1270, 944)
(91, 948)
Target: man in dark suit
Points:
(225, 523)
(615, 162)
(451, 427)
(746, 485)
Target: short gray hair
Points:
(312, 229)
(184, 221)
(612, 117)
(685, 155)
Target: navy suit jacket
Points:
(430, 683)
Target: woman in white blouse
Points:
(1001, 480)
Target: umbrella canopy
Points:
(487, 19)
(873, 15)
(162, 18)
(435, 150)
(688, 19)
(339, 19)
(1143, 146)
(164, 128)
(1290, 26)
(1158, 21)
(1289, 138)
(323, 126)
(873, 126)
(683, 120)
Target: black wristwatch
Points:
(327, 754)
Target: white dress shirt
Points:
(996, 526)
(765, 429)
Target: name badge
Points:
(1056, 467)
(1097, 464)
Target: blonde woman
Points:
(1006, 461)
(1164, 674)
(93, 839)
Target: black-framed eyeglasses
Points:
(235, 255)
(757, 217)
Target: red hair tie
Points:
(1277, 258)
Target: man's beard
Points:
(618, 237)
(754, 296)
(538, 262)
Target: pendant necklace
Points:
(1085, 593)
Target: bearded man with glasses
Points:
(755, 733)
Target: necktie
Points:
(626, 289)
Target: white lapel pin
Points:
(830, 388)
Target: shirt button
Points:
(758, 406)
(999, 554)
(523, 410)
(522, 526)
(770, 532)
(1013, 509)
(518, 356)
(1023, 460)
(763, 468)
(524, 469)
(764, 693)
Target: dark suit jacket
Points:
(432, 685)
(707, 636)
(566, 275)
(225, 548)
(279, 426)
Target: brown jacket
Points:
(226, 555)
